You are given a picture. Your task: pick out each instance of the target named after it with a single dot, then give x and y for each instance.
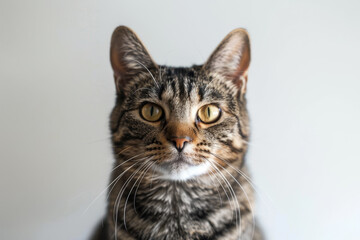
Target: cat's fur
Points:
(202, 192)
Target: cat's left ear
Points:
(231, 59)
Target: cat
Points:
(179, 138)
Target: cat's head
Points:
(180, 122)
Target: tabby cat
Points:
(179, 138)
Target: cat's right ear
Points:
(128, 56)
(231, 59)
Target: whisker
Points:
(122, 190)
(123, 150)
(217, 188)
(234, 197)
(103, 191)
(207, 85)
(116, 205)
(141, 89)
(127, 161)
(232, 206)
(141, 178)
(251, 207)
(247, 178)
(247, 142)
(237, 170)
(227, 196)
(148, 71)
(118, 177)
(160, 73)
(127, 198)
(152, 177)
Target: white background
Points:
(56, 93)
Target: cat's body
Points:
(180, 138)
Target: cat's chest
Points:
(176, 201)
(172, 200)
(177, 210)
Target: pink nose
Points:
(179, 142)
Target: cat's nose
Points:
(180, 142)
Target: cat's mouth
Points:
(180, 168)
(176, 163)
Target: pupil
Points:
(208, 111)
(151, 110)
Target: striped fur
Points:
(202, 192)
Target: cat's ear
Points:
(128, 56)
(231, 59)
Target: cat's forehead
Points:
(180, 90)
(181, 83)
(192, 85)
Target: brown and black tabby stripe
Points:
(201, 191)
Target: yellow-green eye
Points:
(151, 112)
(209, 113)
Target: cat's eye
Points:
(209, 113)
(151, 112)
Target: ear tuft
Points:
(231, 59)
(128, 56)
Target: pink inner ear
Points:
(128, 56)
(231, 58)
(241, 72)
(116, 62)
(119, 68)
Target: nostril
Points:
(178, 146)
(179, 142)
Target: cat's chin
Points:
(181, 170)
